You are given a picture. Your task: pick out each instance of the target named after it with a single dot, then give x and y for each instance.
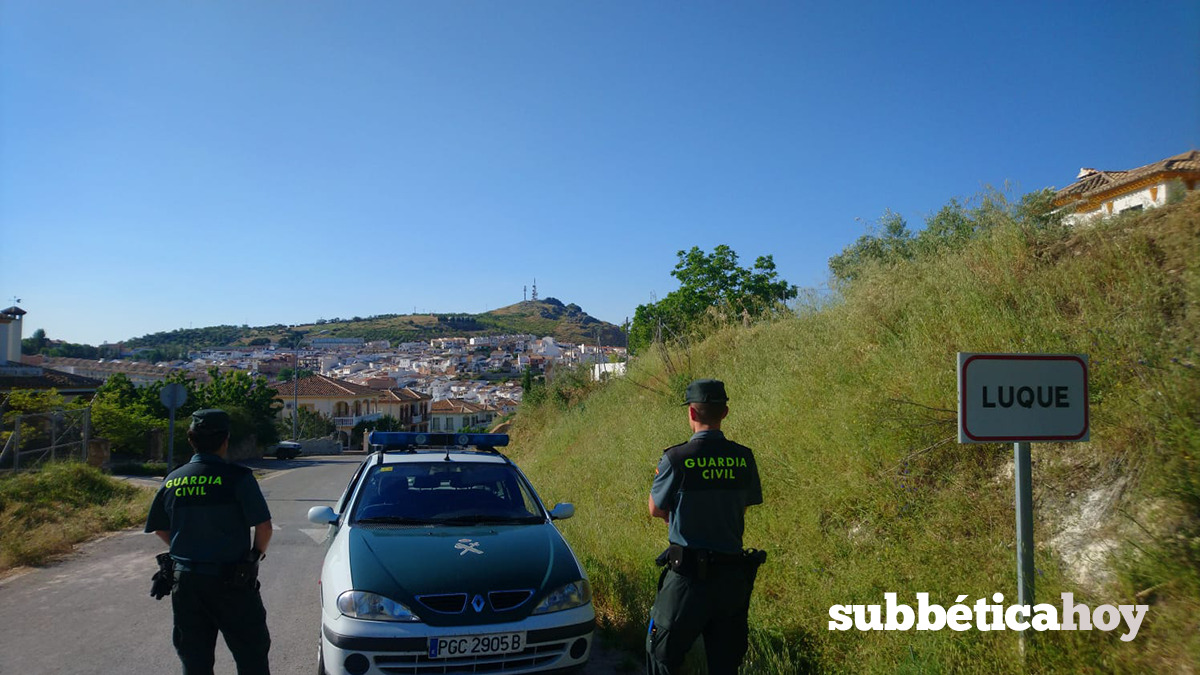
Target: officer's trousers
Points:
(204, 604)
(687, 608)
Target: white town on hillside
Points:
(446, 384)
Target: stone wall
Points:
(242, 449)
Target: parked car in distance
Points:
(286, 450)
(446, 561)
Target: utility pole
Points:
(295, 392)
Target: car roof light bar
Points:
(409, 440)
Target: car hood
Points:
(406, 563)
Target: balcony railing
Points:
(355, 419)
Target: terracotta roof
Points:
(319, 386)
(49, 379)
(455, 406)
(130, 367)
(1092, 181)
(404, 395)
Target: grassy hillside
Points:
(567, 323)
(850, 408)
(44, 513)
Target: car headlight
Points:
(574, 594)
(363, 605)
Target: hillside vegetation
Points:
(549, 316)
(850, 407)
(43, 513)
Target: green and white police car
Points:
(442, 559)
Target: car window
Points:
(341, 505)
(437, 492)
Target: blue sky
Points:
(166, 164)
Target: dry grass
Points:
(43, 514)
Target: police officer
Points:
(702, 489)
(204, 512)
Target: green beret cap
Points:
(706, 391)
(213, 420)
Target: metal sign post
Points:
(1021, 398)
(172, 396)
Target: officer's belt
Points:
(206, 568)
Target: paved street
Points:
(92, 613)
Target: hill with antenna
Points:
(544, 317)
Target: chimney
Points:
(1085, 172)
(10, 333)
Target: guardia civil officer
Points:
(205, 511)
(702, 489)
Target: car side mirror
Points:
(322, 515)
(562, 511)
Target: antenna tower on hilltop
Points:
(534, 297)
(524, 293)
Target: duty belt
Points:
(697, 562)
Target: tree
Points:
(286, 373)
(708, 281)
(260, 341)
(312, 424)
(889, 241)
(385, 423)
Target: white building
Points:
(1104, 193)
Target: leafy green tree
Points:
(385, 423)
(35, 343)
(889, 242)
(312, 424)
(260, 341)
(707, 281)
(285, 374)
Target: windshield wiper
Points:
(400, 520)
(480, 519)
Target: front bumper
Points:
(553, 644)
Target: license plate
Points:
(476, 645)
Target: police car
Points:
(442, 559)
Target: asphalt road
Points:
(92, 612)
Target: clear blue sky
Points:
(165, 164)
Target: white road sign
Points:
(1006, 398)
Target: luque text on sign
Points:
(1022, 397)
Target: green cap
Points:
(706, 391)
(213, 420)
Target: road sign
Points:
(1022, 397)
(173, 395)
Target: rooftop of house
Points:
(320, 386)
(404, 395)
(1093, 181)
(34, 377)
(457, 406)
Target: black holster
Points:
(163, 581)
(243, 574)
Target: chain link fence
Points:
(38, 438)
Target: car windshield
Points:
(445, 493)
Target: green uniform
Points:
(208, 506)
(706, 485)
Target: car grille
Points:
(420, 664)
(447, 603)
(502, 600)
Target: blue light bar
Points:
(412, 439)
